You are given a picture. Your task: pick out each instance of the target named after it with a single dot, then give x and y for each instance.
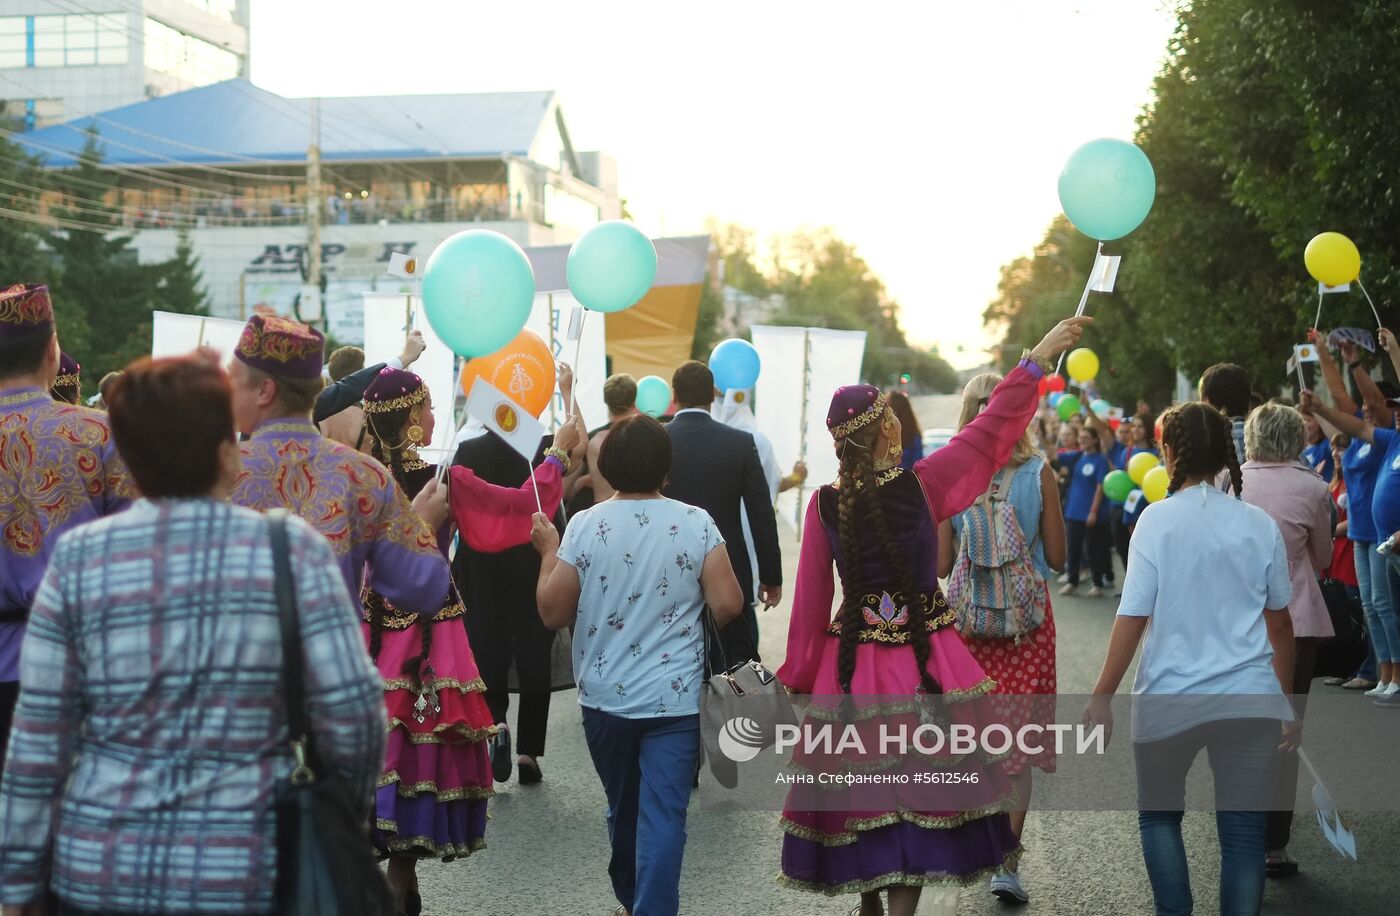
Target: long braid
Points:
(918, 614)
(857, 464)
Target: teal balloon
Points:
(478, 289)
(735, 365)
(1101, 408)
(1054, 398)
(653, 396)
(1107, 188)
(1069, 406)
(1117, 486)
(611, 266)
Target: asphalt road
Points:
(547, 852)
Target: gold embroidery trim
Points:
(67, 378)
(401, 621)
(877, 408)
(475, 685)
(904, 879)
(429, 787)
(462, 734)
(426, 844)
(286, 427)
(407, 400)
(833, 714)
(8, 400)
(858, 825)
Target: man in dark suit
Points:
(349, 389)
(716, 468)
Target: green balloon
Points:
(1069, 406)
(1117, 486)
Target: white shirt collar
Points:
(704, 410)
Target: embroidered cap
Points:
(854, 406)
(394, 389)
(25, 311)
(69, 372)
(281, 346)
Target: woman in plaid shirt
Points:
(151, 710)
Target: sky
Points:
(929, 135)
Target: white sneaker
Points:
(1006, 887)
(1377, 690)
(1391, 689)
(1068, 590)
(1094, 592)
(1064, 578)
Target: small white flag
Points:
(493, 409)
(1291, 365)
(402, 265)
(1323, 289)
(1334, 827)
(575, 324)
(1130, 505)
(1105, 273)
(1306, 353)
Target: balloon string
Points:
(1083, 299)
(538, 505)
(578, 350)
(1317, 322)
(1379, 323)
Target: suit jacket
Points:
(716, 467)
(347, 392)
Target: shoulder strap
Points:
(293, 685)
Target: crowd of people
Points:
(143, 710)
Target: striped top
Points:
(151, 710)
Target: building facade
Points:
(62, 59)
(228, 166)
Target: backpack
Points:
(994, 587)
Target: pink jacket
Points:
(1298, 501)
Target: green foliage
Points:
(103, 296)
(823, 282)
(1271, 122)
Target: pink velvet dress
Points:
(906, 834)
(432, 796)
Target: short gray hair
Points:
(1274, 432)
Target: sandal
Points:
(1277, 864)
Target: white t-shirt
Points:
(1204, 566)
(638, 642)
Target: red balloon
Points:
(1114, 423)
(1043, 386)
(1055, 383)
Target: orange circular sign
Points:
(506, 417)
(523, 369)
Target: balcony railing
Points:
(367, 211)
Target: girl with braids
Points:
(891, 646)
(1211, 574)
(431, 801)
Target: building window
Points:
(190, 60)
(63, 41)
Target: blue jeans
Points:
(646, 766)
(1242, 755)
(1382, 624)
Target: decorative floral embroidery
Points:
(642, 519)
(675, 530)
(636, 649)
(615, 620)
(663, 585)
(683, 562)
(603, 530)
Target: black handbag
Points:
(1342, 654)
(325, 864)
(746, 699)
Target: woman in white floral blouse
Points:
(633, 576)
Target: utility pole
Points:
(314, 203)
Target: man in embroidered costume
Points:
(58, 469)
(347, 496)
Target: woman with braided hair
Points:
(890, 652)
(1211, 573)
(431, 801)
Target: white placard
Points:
(1105, 273)
(174, 334)
(1323, 289)
(385, 321)
(493, 409)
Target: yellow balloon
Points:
(1140, 464)
(1332, 258)
(1154, 485)
(1083, 365)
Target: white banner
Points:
(782, 401)
(384, 332)
(173, 334)
(386, 327)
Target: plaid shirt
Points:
(151, 711)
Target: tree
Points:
(21, 238)
(105, 293)
(1269, 123)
